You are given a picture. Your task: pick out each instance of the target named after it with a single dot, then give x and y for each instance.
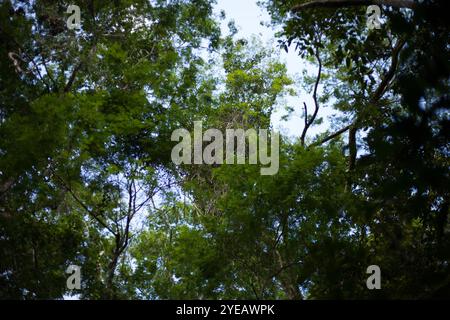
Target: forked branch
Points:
(410, 4)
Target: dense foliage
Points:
(86, 177)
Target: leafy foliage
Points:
(86, 177)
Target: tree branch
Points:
(381, 89)
(352, 148)
(410, 4)
(78, 200)
(390, 74)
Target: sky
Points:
(248, 16)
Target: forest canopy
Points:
(87, 178)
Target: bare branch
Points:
(390, 74)
(309, 122)
(86, 208)
(330, 137)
